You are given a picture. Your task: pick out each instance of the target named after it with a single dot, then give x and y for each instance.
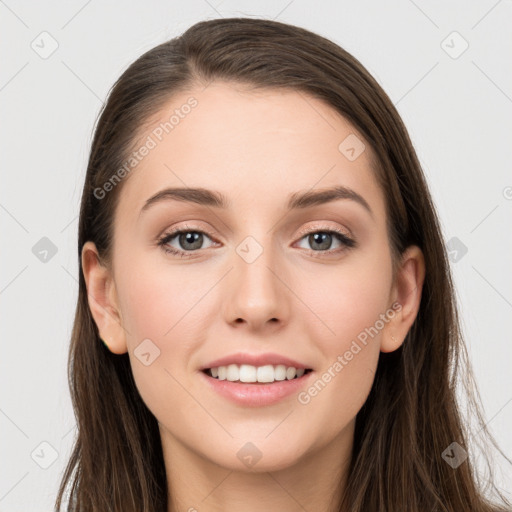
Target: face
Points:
(311, 283)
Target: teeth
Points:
(232, 373)
(249, 373)
(265, 373)
(290, 373)
(280, 372)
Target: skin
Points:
(256, 148)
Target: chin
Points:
(251, 457)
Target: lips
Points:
(255, 360)
(256, 394)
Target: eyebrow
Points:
(297, 200)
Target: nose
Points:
(257, 296)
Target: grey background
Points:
(457, 110)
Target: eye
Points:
(322, 240)
(188, 240)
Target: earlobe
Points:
(102, 300)
(407, 292)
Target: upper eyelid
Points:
(302, 232)
(180, 230)
(336, 229)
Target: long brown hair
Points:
(411, 415)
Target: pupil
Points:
(191, 237)
(324, 239)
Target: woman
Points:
(261, 257)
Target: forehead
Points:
(249, 144)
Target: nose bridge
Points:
(256, 292)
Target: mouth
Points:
(246, 385)
(248, 374)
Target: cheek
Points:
(155, 301)
(348, 300)
(349, 305)
(159, 306)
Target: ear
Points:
(406, 294)
(102, 297)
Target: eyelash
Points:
(340, 235)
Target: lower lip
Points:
(257, 394)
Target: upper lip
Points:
(254, 360)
